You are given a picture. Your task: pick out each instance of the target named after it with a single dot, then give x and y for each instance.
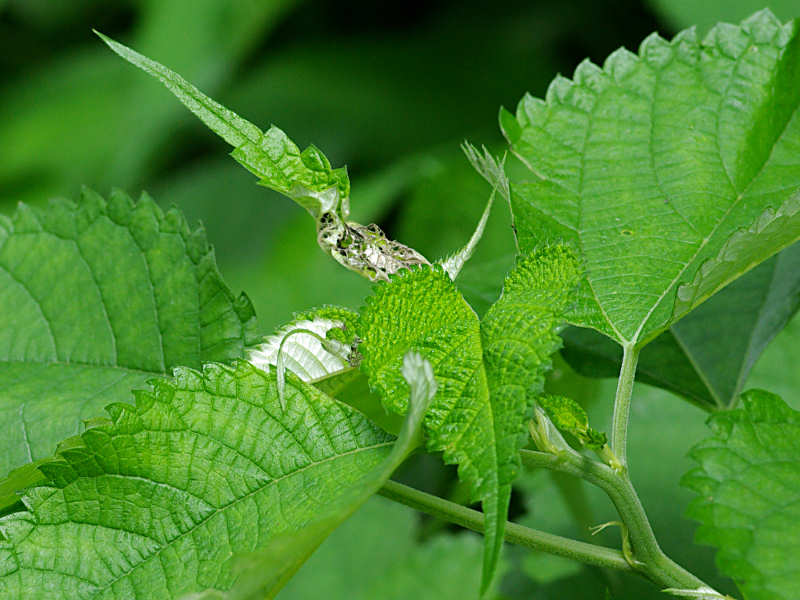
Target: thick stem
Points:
(515, 534)
(650, 560)
(622, 403)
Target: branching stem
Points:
(648, 556)
(435, 506)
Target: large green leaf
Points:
(706, 356)
(97, 298)
(748, 483)
(673, 171)
(488, 372)
(263, 573)
(206, 466)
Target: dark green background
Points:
(390, 90)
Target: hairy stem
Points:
(622, 403)
(650, 560)
(515, 534)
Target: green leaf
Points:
(748, 483)
(674, 169)
(204, 467)
(304, 176)
(383, 535)
(99, 297)
(488, 372)
(706, 356)
(569, 417)
(264, 573)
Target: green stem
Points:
(650, 560)
(515, 534)
(622, 403)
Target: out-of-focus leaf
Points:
(686, 13)
(203, 467)
(65, 120)
(384, 536)
(706, 356)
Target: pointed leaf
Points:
(305, 176)
(674, 167)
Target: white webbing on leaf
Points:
(302, 353)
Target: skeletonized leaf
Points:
(304, 176)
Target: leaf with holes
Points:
(673, 171)
(97, 298)
(205, 466)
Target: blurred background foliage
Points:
(390, 89)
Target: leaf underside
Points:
(707, 355)
(205, 466)
(674, 168)
(748, 483)
(97, 298)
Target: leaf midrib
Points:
(220, 510)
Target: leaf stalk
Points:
(622, 403)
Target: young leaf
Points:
(203, 467)
(569, 417)
(487, 372)
(304, 176)
(263, 573)
(706, 356)
(651, 164)
(748, 483)
(97, 298)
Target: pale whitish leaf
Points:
(455, 262)
(650, 164)
(204, 467)
(304, 346)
